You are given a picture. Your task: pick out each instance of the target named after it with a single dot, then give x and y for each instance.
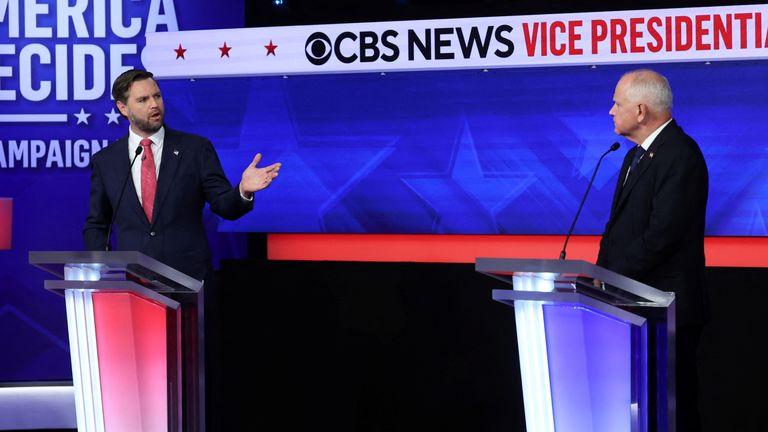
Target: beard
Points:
(148, 126)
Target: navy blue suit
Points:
(655, 233)
(190, 175)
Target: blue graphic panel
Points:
(472, 152)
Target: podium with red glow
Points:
(585, 361)
(135, 337)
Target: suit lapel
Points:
(643, 165)
(635, 176)
(619, 186)
(170, 162)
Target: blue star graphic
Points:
(587, 150)
(113, 117)
(314, 182)
(82, 116)
(467, 197)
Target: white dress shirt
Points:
(647, 143)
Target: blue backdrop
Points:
(504, 151)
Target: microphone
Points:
(139, 149)
(615, 146)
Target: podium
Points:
(135, 337)
(593, 356)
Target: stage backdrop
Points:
(477, 126)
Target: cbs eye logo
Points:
(318, 48)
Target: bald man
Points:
(655, 232)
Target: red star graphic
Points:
(270, 48)
(225, 50)
(180, 52)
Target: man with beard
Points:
(160, 213)
(177, 174)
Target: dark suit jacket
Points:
(655, 233)
(190, 175)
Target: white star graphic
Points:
(112, 117)
(82, 116)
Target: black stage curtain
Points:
(353, 346)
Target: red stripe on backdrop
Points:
(721, 251)
(6, 219)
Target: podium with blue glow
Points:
(135, 337)
(593, 356)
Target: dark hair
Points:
(124, 82)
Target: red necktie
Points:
(148, 178)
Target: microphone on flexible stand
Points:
(615, 146)
(139, 149)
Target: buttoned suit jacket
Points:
(655, 232)
(190, 175)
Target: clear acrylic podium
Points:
(594, 357)
(135, 337)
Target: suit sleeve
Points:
(224, 200)
(99, 212)
(681, 182)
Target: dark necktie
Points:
(148, 178)
(639, 152)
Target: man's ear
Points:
(122, 108)
(642, 112)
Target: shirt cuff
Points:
(243, 195)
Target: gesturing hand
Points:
(255, 179)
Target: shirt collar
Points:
(648, 141)
(157, 138)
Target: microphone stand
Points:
(614, 147)
(139, 149)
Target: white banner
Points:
(646, 36)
